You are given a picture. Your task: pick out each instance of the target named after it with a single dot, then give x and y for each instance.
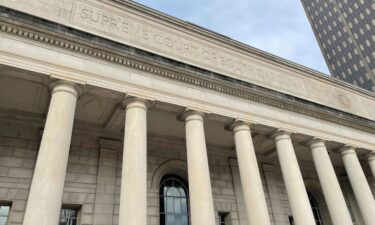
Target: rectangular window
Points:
(69, 216)
(224, 218)
(4, 213)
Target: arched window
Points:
(315, 209)
(174, 206)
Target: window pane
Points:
(184, 220)
(73, 222)
(170, 220)
(182, 191)
(69, 216)
(173, 192)
(178, 219)
(165, 189)
(4, 211)
(170, 208)
(184, 209)
(174, 208)
(177, 205)
(3, 220)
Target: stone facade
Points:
(93, 123)
(93, 177)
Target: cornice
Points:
(213, 82)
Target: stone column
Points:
(371, 162)
(44, 203)
(331, 188)
(295, 188)
(201, 201)
(359, 184)
(133, 199)
(255, 200)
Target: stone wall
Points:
(81, 178)
(18, 151)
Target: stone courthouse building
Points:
(114, 113)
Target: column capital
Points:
(191, 114)
(131, 102)
(370, 156)
(281, 135)
(67, 86)
(347, 149)
(237, 125)
(316, 143)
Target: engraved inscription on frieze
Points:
(123, 27)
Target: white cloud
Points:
(277, 27)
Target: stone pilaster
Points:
(106, 182)
(241, 208)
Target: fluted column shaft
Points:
(331, 188)
(255, 201)
(295, 187)
(371, 162)
(44, 202)
(133, 200)
(359, 184)
(201, 201)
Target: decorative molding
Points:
(222, 86)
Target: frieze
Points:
(92, 17)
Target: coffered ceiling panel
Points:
(95, 109)
(18, 91)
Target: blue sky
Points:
(278, 27)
